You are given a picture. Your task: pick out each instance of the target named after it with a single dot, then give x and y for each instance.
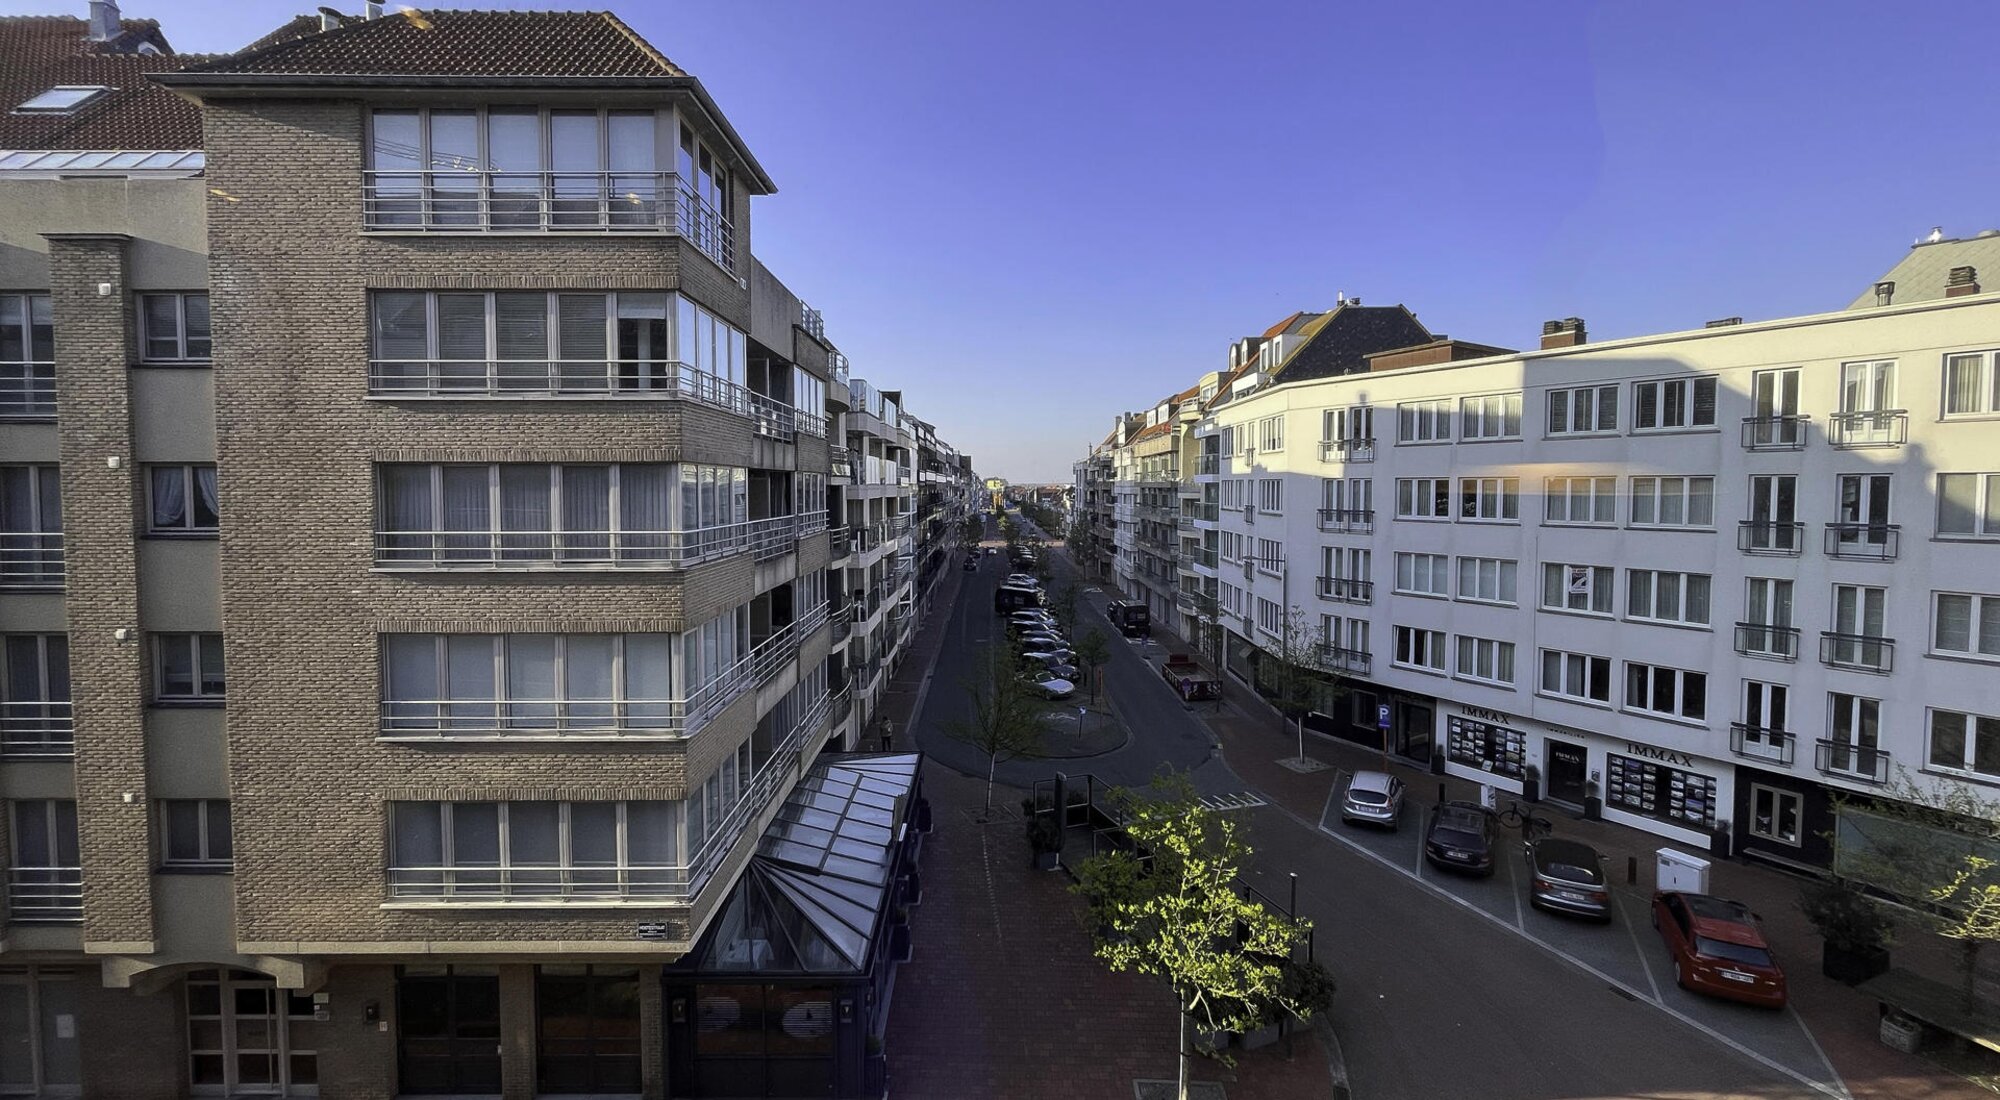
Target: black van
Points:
(1133, 619)
(1011, 597)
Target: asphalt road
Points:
(1435, 1001)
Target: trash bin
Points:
(1899, 1032)
(1679, 871)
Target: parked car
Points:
(1025, 580)
(1567, 876)
(1718, 948)
(971, 565)
(1060, 662)
(1461, 837)
(1373, 798)
(992, 550)
(1051, 685)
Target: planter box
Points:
(1048, 861)
(1853, 966)
(1259, 1038)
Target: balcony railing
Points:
(622, 379)
(460, 201)
(773, 536)
(1761, 743)
(34, 727)
(1765, 640)
(1856, 430)
(1775, 433)
(1332, 658)
(1863, 541)
(1860, 652)
(27, 391)
(1851, 761)
(1184, 522)
(1347, 450)
(813, 321)
(45, 895)
(31, 559)
(1207, 464)
(449, 550)
(1358, 521)
(1768, 538)
(842, 461)
(842, 621)
(1350, 591)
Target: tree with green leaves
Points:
(972, 531)
(1093, 651)
(1062, 604)
(1007, 720)
(1292, 676)
(1172, 910)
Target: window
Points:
(1667, 692)
(194, 835)
(1420, 649)
(31, 542)
(1857, 639)
(46, 870)
(1423, 498)
(42, 1055)
(1673, 502)
(587, 1029)
(809, 497)
(516, 849)
(183, 500)
(246, 1037)
(559, 684)
(1667, 597)
(1969, 505)
(1231, 544)
(1578, 676)
(1270, 556)
(1583, 410)
(1270, 618)
(1854, 729)
(1423, 574)
(1965, 625)
(27, 356)
(1773, 526)
(1765, 730)
(1965, 743)
(1485, 659)
(1861, 526)
(1584, 588)
(1271, 495)
(1581, 500)
(1673, 403)
(1495, 416)
(1766, 630)
(1271, 434)
(1971, 384)
(1489, 499)
(62, 99)
(1424, 421)
(187, 668)
(1487, 580)
(173, 328)
(35, 718)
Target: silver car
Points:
(1373, 798)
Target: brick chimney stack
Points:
(1566, 333)
(1961, 282)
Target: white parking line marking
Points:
(1632, 931)
(1514, 888)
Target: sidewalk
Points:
(1003, 998)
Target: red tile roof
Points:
(1153, 432)
(459, 43)
(40, 52)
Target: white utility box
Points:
(1680, 871)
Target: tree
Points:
(1062, 604)
(1176, 914)
(1093, 651)
(1292, 677)
(973, 531)
(1006, 722)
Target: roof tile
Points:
(39, 52)
(459, 43)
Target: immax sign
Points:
(1665, 756)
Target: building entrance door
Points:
(1567, 772)
(1414, 722)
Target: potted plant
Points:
(1531, 784)
(1855, 929)
(1045, 841)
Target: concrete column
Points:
(652, 1035)
(517, 1033)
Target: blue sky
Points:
(1031, 214)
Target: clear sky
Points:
(1031, 214)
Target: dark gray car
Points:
(1568, 876)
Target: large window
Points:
(448, 1029)
(1423, 574)
(187, 668)
(1423, 498)
(27, 357)
(535, 849)
(183, 500)
(194, 835)
(1663, 596)
(1489, 499)
(1424, 421)
(1666, 692)
(31, 540)
(1965, 743)
(586, 1029)
(1495, 416)
(1581, 500)
(1971, 384)
(546, 685)
(40, 1054)
(173, 328)
(1585, 588)
(1420, 649)
(246, 1037)
(46, 876)
(1487, 580)
(1271, 495)
(1968, 506)
(35, 718)
(1965, 625)
(1583, 410)
(1854, 737)
(1579, 676)
(1673, 403)
(1775, 814)
(1485, 659)
(1673, 502)
(522, 515)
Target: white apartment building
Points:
(1698, 582)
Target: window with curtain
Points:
(514, 849)
(529, 684)
(183, 500)
(187, 668)
(527, 514)
(27, 356)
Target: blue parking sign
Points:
(1382, 716)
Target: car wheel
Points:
(1680, 973)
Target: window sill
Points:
(174, 364)
(1612, 433)
(1673, 624)
(1687, 527)
(1509, 604)
(1961, 774)
(1954, 418)
(1423, 519)
(28, 418)
(1593, 704)
(1966, 538)
(1493, 439)
(1484, 522)
(195, 869)
(188, 704)
(1501, 685)
(1673, 719)
(606, 737)
(1605, 525)
(1437, 672)
(183, 536)
(1423, 443)
(1418, 595)
(1702, 429)
(1965, 658)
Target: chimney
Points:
(1961, 282)
(1885, 292)
(104, 21)
(1566, 333)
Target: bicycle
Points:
(1527, 820)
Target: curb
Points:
(1336, 1062)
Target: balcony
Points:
(36, 728)
(1860, 430)
(533, 550)
(1347, 450)
(1207, 465)
(619, 379)
(31, 559)
(1770, 539)
(1762, 743)
(461, 201)
(1184, 521)
(1850, 761)
(773, 536)
(813, 321)
(1858, 652)
(842, 621)
(1775, 433)
(45, 895)
(1863, 541)
(1346, 591)
(842, 461)
(27, 391)
(1332, 658)
(1354, 521)
(1205, 559)
(1779, 643)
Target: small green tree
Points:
(1062, 604)
(1293, 677)
(1178, 916)
(1006, 719)
(1093, 651)
(973, 531)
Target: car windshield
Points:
(1732, 952)
(1570, 872)
(1461, 821)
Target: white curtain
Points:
(524, 513)
(645, 494)
(531, 680)
(170, 498)
(586, 513)
(648, 679)
(207, 506)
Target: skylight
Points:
(63, 98)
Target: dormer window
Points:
(62, 99)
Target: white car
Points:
(1055, 687)
(1025, 579)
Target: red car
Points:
(1718, 948)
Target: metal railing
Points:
(1207, 464)
(1863, 541)
(1761, 743)
(27, 391)
(1359, 521)
(773, 536)
(447, 550)
(45, 895)
(842, 621)
(31, 559)
(836, 366)
(461, 201)
(622, 379)
(37, 727)
(1350, 591)
(1844, 758)
(1766, 640)
(1879, 428)
(1775, 433)
(1860, 652)
(1332, 658)
(842, 461)
(1347, 450)
(1766, 537)
(813, 321)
